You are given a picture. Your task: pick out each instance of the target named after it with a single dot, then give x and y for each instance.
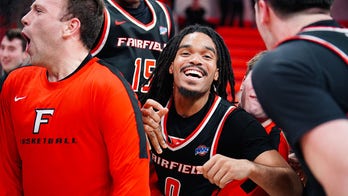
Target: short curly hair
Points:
(91, 15)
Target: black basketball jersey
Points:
(131, 45)
(312, 64)
(329, 37)
(334, 39)
(176, 166)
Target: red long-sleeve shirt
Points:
(79, 136)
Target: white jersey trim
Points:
(335, 29)
(192, 137)
(146, 27)
(325, 43)
(105, 34)
(166, 13)
(218, 131)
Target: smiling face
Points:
(249, 101)
(195, 66)
(12, 54)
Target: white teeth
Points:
(194, 73)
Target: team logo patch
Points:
(163, 30)
(201, 150)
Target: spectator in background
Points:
(12, 52)
(237, 12)
(224, 10)
(230, 10)
(195, 15)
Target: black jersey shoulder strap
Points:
(333, 38)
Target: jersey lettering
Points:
(148, 67)
(136, 76)
(40, 118)
(172, 187)
(139, 43)
(173, 165)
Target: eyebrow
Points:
(206, 47)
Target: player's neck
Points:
(187, 107)
(65, 66)
(285, 28)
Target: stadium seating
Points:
(243, 44)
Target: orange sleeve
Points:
(10, 163)
(122, 132)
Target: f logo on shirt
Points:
(41, 118)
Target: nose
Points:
(3, 52)
(196, 59)
(25, 20)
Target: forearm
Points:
(330, 169)
(276, 180)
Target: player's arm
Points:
(269, 171)
(271, 167)
(152, 112)
(125, 141)
(323, 151)
(261, 163)
(10, 162)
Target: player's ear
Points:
(263, 11)
(216, 75)
(72, 27)
(171, 69)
